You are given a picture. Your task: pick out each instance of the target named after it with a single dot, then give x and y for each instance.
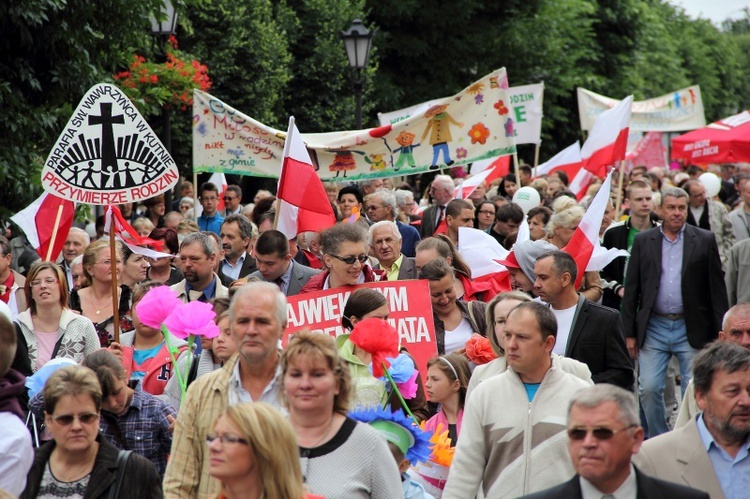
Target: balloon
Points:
(527, 198)
(711, 182)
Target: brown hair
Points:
(34, 271)
(455, 366)
(108, 369)
(490, 316)
(445, 248)
(71, 380)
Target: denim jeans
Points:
(664, 337)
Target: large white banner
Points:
(678, 111)
(526, 110)
(475, 124)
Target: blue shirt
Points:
(208, 292)
(409, 239)
(212, 224)
(733, 473)
(286, 277)
(233, 271)
(531, 389)
(669, 294)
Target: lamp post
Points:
(162, 28)
(358, 40)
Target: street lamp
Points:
(358, 40)
(167, 23)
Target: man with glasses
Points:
(209, 199)
(381, 206)
(232, 200)
(603, 435)
(441, 191)
(513, 436)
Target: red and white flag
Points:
(568, 160)
(608, 140)
(501, 167)
(38, 219)
(481, 252)
(581, 182)
(220, 181)
(126, 234)
(586, 236)
(465, 188)
(303, 202)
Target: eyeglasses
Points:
(226, 439)
(229, 198)
(485, 212)
(373, 207)
(599, 432)
(67, 419)
(109, 262)
(349, 260)
(49, 281)
(210, 199)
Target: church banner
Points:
(526, 110)
(675, 112)
(410, 313)
(477, 123)
(108, 154)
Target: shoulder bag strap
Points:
(122, 461)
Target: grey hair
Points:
(387, 198)
(594, 396)
(384, 223)
(564, 218)
(247, 228)
(331, 238)
(674, 192)
(739, 309)
(280, 308)
(719, 355)
(207, 244)
(443, 181)
(77, 260)
(78, 230)
(403, 196)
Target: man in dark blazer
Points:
(674, 301)
(441, 191)
(385, 243)
(275, 263)
(236, 234)
(603, 435)
(586, 331)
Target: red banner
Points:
(410, 313)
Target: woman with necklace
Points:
(78, 462)
(94, 299)
(340, 458)
(49, 329)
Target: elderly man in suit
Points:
(603, 436)
(232, 200)
(710, 453)
(441, 191)
(586, 331)
(275, 263)
(381, 205)
(385, 243)
(674, 301)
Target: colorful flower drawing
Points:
(479, 133)
(476, 88)
(479, 98)
(500, 106)
(461, 153)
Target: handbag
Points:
(122, 461)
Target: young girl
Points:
(447, 379)
(143, 352)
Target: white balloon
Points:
(527, 198)
(711, 182)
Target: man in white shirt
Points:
(236, 235)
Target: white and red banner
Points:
(410, 312)
(126, 234)
(303, 202)
(608, 140)
(38, 221)
(465, 188)
(477, 123)
(649, 152)
(481, 253)
(674, 112)
(108, 154)
(568, 160)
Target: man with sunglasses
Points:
(603, 435)
(232, 200)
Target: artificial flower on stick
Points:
(161, 309)
(479, 350)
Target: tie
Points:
(279, 282)
(196, 295)
(441, 215)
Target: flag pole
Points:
(115, 294)
(287, 145)
(619, 189)
(195, 197)
(536, 157)
(54, 232)
(518, 172)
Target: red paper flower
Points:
(156, 306)
(379, 339)
(479, 350)
(195, 318)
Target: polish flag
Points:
(568, 160)
(303, 202)
(501, 166)
(586, 236)
(481, 252)
(38, 221)
(580, 183)
(465, 188)
(608, 139)
(126, 234)
(220, 181)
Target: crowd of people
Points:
(633, 383)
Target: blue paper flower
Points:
(420, 450)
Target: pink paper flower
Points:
(408, 388)
(194, 318)
(156, 306)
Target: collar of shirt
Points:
(208, 292)
(680, 234)
(206, 217)
(327, 283)
(286, 277)
(233, 271)
(709, 442)
(237, 393)
(393, 273)
(627, 490)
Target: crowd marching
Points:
(550, 381)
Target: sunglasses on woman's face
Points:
(67, 419)
(349, 260)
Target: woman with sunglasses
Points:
(49, 329)
(345, 261)
(78, 462)
(253, 452)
